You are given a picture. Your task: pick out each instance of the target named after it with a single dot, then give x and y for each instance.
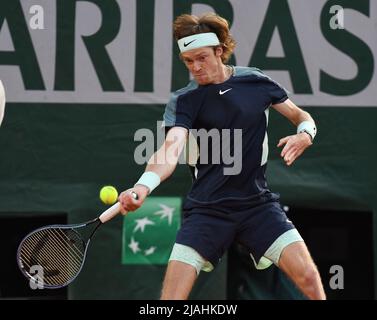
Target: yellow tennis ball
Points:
(108, 195)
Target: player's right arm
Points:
(163, 163)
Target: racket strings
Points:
(50, 261)
(59, 251)
(58, 260)
(50, 255)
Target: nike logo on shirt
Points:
(186, 44)
(223, 92)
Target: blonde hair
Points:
(186, 25)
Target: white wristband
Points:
(308, 127)
(149, 179)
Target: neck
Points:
(224, 73)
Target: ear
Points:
(219, 51)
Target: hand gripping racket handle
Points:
(113, 210)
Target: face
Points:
(204, 64)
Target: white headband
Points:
(197, 41)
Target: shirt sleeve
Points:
(170, 114)
(276, 92)
(186, 112)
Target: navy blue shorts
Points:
(211, 230)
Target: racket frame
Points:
(73, 227)
(101, 219)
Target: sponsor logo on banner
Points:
(149, 234)
(70, 51)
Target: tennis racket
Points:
(59, 250)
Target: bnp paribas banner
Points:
(149, 235)
(122, 51)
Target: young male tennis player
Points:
(222, 208)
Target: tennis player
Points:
(221, 208)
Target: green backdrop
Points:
(56, 158)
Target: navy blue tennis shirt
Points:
(240, 103)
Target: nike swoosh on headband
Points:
(186, 44)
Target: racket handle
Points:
(113, 210)
(110, 213)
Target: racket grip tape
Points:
(114, 210)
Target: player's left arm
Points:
(295, 145)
